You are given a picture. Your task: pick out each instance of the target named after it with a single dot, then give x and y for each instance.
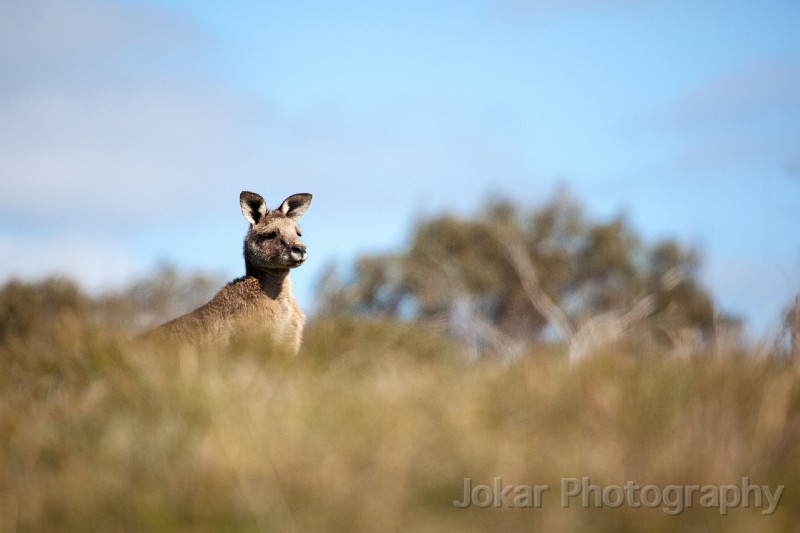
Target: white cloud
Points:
(767, 87)
(743, 121)
(53, 31)
(95, 263)
(97, 126)
(111, 130)
(119, 156)
(94, 125)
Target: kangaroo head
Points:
(273, 241)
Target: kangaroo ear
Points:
(295, 206)
(253, 206)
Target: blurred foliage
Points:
(790, 328)
(372, 427)
(70, 332)
(161, 296)
(459, 272)
(29, 310)
(52, 309)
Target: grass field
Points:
(375, 426)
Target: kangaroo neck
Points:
(274, 282)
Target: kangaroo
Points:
(262, 299)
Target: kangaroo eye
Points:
(270, 235)
(299, 233)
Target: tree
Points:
(515, 276)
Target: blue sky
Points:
(128, 128)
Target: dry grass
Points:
(373, 427)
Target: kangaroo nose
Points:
(299, 252)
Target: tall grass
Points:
(372, 427)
